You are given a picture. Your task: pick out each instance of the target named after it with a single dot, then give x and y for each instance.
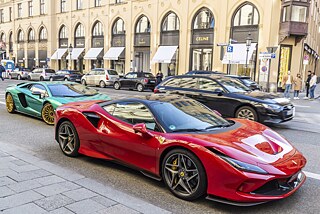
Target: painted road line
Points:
(312, 175)
(301, 106)
(3, 103)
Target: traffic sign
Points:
(230, 49)
(263, 55)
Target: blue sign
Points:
(230, 49)
(48, 59)
(273, 55)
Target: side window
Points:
(173, 82)
(38, 88)
(133, 113)
(188, 83)
(208, 85)
(129, 75)
(134, 75)
(92, 72)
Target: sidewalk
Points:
(29, 185)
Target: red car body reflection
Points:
(102, 135)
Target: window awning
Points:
(164, 54)
(239, 54)
(93, 53)
(113, 53)
(75, 53)
(58, 54)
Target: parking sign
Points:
(230, 49)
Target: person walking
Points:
(287, 81)
(308, 85)
(159, 77)
(313, 85)
(297, 87)
(2, 69)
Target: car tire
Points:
(19, 77)
(29, 78)
(47, 114)
(140, 87)
(181, 181)
(11, 108)
(102, 84)
(117, 86)
(51, 79)
(68, 139)
(41, 79)
(66, 79)
(83, 82)
(10, 77)
(246, 112)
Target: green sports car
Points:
(40, 99)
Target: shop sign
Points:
(118, 41)
(142, 40)
(306, 59)
(199, 38)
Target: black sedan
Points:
(136, 80)
(246, 81)
(66, 75)
(195, 72)
(230, 97)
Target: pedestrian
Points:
(297, 87)
(159, 77)
(2, 69)
(308, 85)
(313, 85)
(287, 81)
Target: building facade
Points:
(171, 36)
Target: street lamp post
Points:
(70, 48)
(248, 45)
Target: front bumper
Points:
(271, 116)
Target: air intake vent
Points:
(93, 118)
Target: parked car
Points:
(100, 77)
(40, 99)
(41, 74)
(136, 80)
(19, 73)
(230, 97)
(67, 75)
(189, 147)
(202, 72)
(246, 81)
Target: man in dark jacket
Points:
(308, 84)
(2, 69)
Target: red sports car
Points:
(194, 150)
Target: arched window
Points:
(204, 19)
(43, 34)
(79, 31)
(10, 42)
(63, 34)
(97, 29)
(171, 22)
(3, 37)
(143, 25)
(118, 27)
(246, 15)
(20, 36)
(31, 35)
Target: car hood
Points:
(64, 100)
(250, 142)
(260, 96)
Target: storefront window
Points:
(31, 35)
(202, 59)
(119, 27)
(43, 34)
(246, 15)
(171, 22)
(285, 61)
(204, 20)
(143, 25)
(20, 36)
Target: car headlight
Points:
(272, 106)
(244, 166)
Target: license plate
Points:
(291, 112)
(77, 79)
(152, 81)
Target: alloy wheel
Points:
(181, 174)
(140, 88)
(116, 85)
(10, 103)
(246, 114)
(102, 84)
(68, 139)
(19, 77)
(47, 114)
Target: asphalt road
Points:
(304, 133)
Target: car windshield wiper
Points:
(188, 130)
(218, 126)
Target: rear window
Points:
(148, 75)
(112, 72)
(51, 71)
(173, 82)
(73, 72)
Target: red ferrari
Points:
(194, 150)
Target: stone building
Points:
(174, 36)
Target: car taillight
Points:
(146, 80)
(107, 77)
(156, 90)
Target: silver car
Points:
(41, 74)
(19, 74)
(100, 77)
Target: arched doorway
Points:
(42, 47)
(20, 54)
(142, 45)
(3, 46)
(79, 44)
(244, 24)
(31, 53)
(202, 40)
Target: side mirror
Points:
(141, 128)
(218, 91)
(37, 93)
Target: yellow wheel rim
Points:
(48, 114)
(9, 103)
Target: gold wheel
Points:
(10, 103)
(47, 114)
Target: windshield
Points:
(233, 85)
(248, 82)
(187, 115)
(71, 90)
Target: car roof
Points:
(57, 83)
(212, 76)
(237, 76)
